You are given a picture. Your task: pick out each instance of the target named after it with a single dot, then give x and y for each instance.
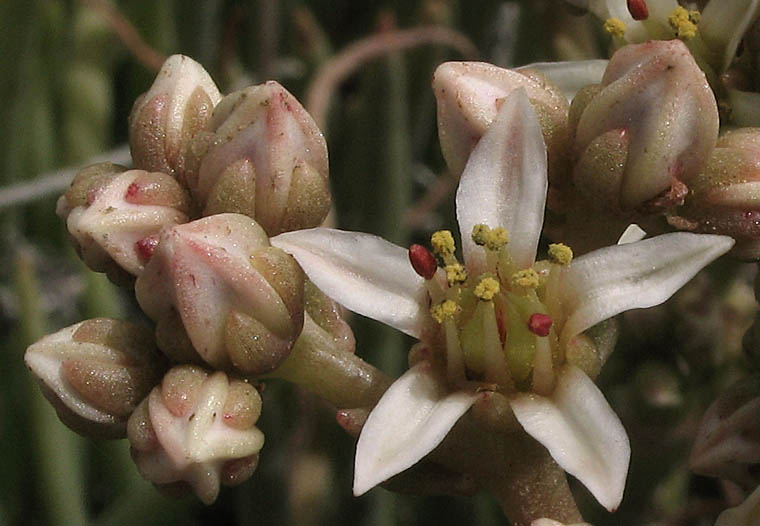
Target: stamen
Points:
(443, 243)
(455, 274)
(497, 239)
(423, 261)
(684, 22)
(540, 324)
(444, 311)
(638, 9)
(560, 253)
(487, 289)
(526, 278)
(480, 234)
(615, 27)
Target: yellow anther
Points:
(684, 22)
(455, 273)
(481, 234)
(526, 278)
(560, 253)
(487, 289)
(443, 243)
(615, 27)
(497, 239)
(445, 310)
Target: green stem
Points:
(516, 469)
(341, 378)
(60, 475)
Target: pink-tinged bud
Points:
(197, 431)
(326, 316)
(219, 292)
(638, 9)
(263, 157)
(540, 324)
(423, 261)
(647, 131)
(725, 196)
(111, 214)
(95, 373)
(165, 119)
(728, 441)
(469, 95)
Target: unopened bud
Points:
(643, 137)
(95, 373)
(725, 195)
(114, 216)
(216, 285)
(263, 157)
(165, 119)
(728, 441)
(469, 95)
(197, 429)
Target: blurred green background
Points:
(69, 73)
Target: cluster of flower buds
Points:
(189, 226)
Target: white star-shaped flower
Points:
(504, 321)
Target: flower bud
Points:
(725, 195)
(114, 216)
(219, 291)
(263, 157)
(197, 429)
(469, 95)
(728, 441)
(95, 373)
(643, 137)
(164, 120)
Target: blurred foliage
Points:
(69, 73)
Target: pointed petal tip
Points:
(581, 432)
(414, 415)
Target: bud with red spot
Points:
(644, 133)
(95, 373)
(114, 216)
(221, 294)
(197, 431)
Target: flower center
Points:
(496, 327)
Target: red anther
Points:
(132, 191)
(423, 261)
(638, 9)
(540, 324)
(146, 246)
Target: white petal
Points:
(362, 272)
(632, 234)
(606, 282)
(570, 76)
(746, 514)
(723, 24)
(504, 183)
(414, 415)
(582, 433)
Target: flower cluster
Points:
(217, 228)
